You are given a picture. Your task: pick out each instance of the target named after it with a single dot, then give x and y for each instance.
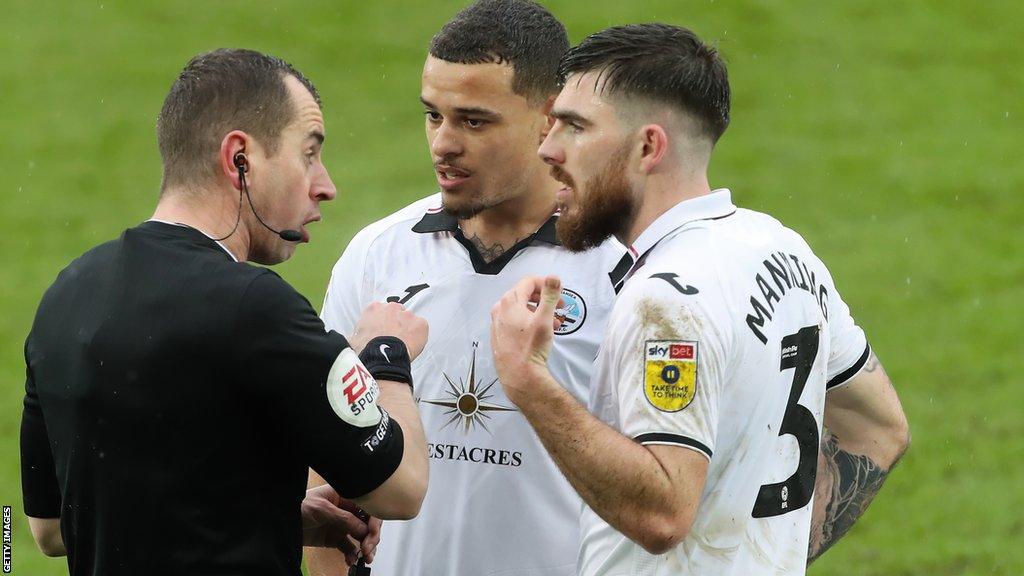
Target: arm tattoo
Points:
(489, 253)
(850, 482)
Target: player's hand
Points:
(390, 319)
(330, 521)
(522, 327)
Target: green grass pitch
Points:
(888, 133)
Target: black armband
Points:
(387, 358)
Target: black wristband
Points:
(387, 358)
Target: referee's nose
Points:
(323, 188)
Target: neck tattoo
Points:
(492, 252)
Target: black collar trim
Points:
(547, 232)
(436, 221)
(441, 221)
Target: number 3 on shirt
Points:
(798, 352)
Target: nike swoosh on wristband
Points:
(382, 347)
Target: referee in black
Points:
(176, 395)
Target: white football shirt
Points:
(496, 503)
(725, 336)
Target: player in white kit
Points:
(727, 349)
(496, 502)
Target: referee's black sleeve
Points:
(285, 355)
(39, 488)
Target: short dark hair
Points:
(217, 92)
(664, 63)
(517, 32)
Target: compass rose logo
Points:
(467, 400)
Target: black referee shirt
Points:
(174, 400)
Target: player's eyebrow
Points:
(478, 112)
(467, 111)
(570, 117)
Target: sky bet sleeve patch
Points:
(670, 373)
(352, 392)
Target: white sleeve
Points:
(351, 285)
(848, 346)
(674, 352)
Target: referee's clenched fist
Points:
(390, 319)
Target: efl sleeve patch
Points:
(670, 373)
(352, 392)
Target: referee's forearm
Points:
(396, 398)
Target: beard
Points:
(468, 203)
(605, 206)
(464, 208)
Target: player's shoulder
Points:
(671, 286)
(766, 231)
(693, 251)
(755, 228)
(661, 303)
(400, 221)
(697, 263)
(707, 244)
(742, 228)
(772, 225)
(680, 270)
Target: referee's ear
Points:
(231, 145)
(654, 142)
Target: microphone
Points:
(289, 235)
(243, 164)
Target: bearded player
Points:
(728, 346)
(497, 504)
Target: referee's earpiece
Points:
(242, 163)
